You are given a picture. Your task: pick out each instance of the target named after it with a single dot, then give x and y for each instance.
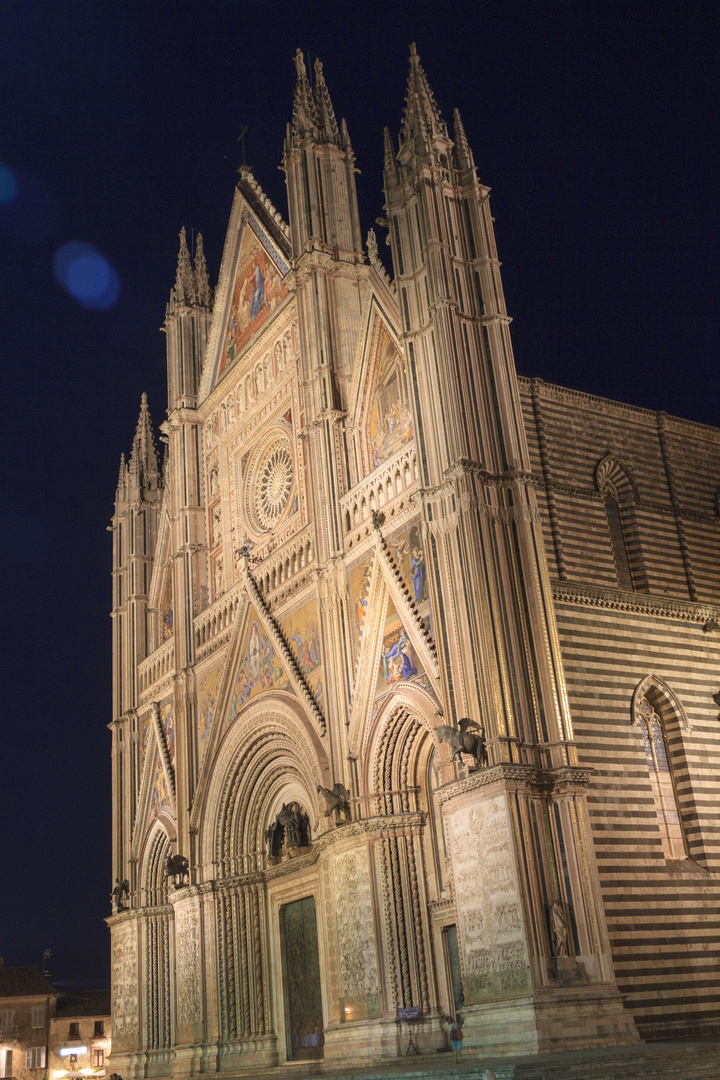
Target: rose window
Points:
(270, 484)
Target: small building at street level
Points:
(416, 662)
(50, 1033)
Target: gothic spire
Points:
(422, 123)
(304, 119)
(326, 122)
(203, 291)
(463, 153)
(143, 464)
(183, 293)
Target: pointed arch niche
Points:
(153, 883)
(402, 774)
(156, 932)
(660, 720)
(616, 484)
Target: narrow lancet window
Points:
(661, 781)
(617, 539)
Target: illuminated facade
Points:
(366, 528)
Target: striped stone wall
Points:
(663, 913)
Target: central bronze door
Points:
(301, 963)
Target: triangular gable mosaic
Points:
(301, 630)
(398, 660)
(257, 291)
(259, 667)
(407, 552)
(208, 689)
(390, 424)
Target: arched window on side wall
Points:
(615, 483)
(667, 808)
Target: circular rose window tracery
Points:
(270, 483)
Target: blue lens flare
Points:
(87, 276)
(8, 183)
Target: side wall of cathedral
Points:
(637, 617)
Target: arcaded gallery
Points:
(414, 659)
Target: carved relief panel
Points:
(488, 901)
(187, 971)
(357, 957)
(124, 987)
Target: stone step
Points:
(653, 1061)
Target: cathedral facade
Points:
(414, 660)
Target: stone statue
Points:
(120, 893)
(177, 866)
(467, 738)
(337, 799)
(290, 830)
(558, 928)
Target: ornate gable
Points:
(382, 415)
(251, 287)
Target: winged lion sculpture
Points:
(467, 738)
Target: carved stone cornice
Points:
(367, 828)
(663, 607)
(439, 909)
(506, 775)
(553, 392)
(137, 914)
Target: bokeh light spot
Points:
(27, 208)
(87, 276)
(8, 183)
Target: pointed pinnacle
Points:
(183, 292)
(304, 118)
(143, 464)
(324, 111)
(345, 137)
(123, 471)
(463, 152)
(421, 119)
(202, 280)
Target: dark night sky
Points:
(595, 124)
